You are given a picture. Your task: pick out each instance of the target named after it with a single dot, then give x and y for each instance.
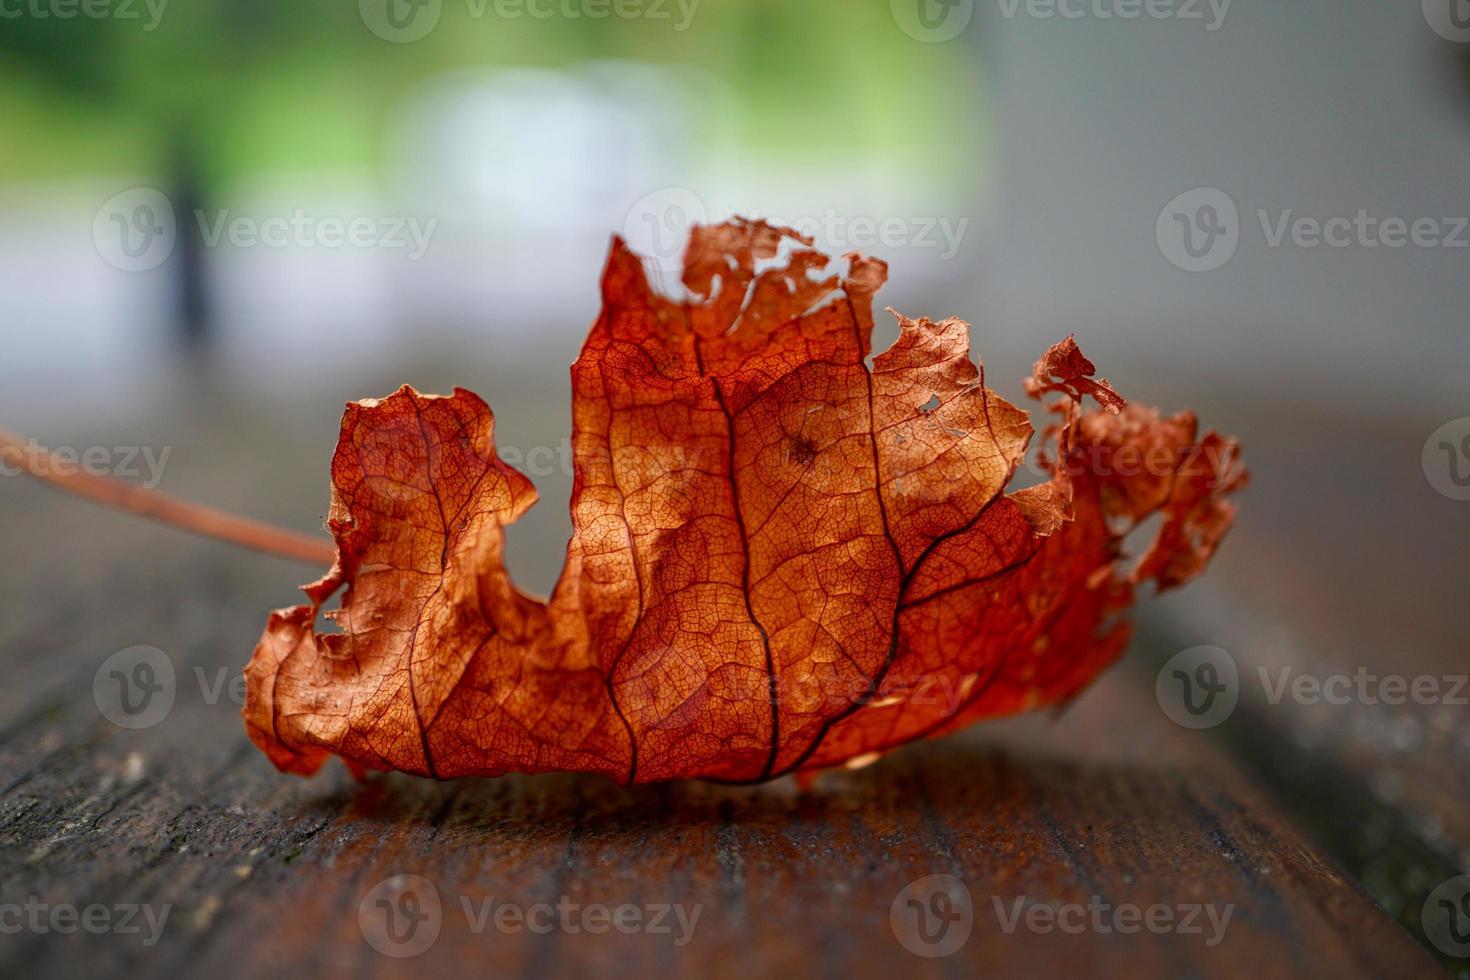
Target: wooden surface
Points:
(267, 875)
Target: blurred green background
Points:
(275, 86)
(516, 136)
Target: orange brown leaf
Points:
(784, 557)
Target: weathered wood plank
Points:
(262, 873)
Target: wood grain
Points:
(265, 874)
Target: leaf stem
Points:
(182, 514)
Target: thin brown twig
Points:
(182, 514)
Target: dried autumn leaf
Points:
(782, 560)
